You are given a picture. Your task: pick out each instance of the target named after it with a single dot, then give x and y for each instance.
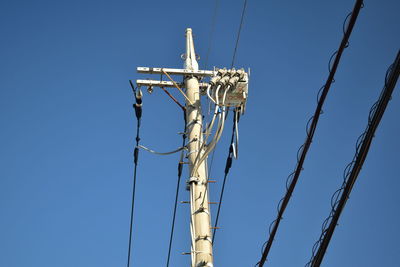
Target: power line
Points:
(228, 165)
(238, 35)
(294, 176)
(214, 19)
(233, 59)
(138, 112)
(353, 169)
(180, 166)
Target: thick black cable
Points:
(302, 152)
(138, 112)
(180, 167)
(230, 154)
(354, 167)
(228, 166)
(238, 35)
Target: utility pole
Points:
(226, 88)
(199, 205)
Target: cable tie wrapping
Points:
(228, 164)
(180, 165)
(138, 110)
(136, 155)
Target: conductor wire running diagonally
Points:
(293, 178)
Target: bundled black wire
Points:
(352, 170)
(310, 130)
(138, 112)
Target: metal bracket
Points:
(156, 83)
(201, 209)
(176, 71)
(193, 180)
(206, 237)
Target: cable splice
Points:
(352, 170)
(138, 112)
(302, 152)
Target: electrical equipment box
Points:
(236, 95)
(229, 88)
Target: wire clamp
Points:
(193, 179)
(195, 121)
(190, 181)
(190, 152)
(201, 209)
(205, 237)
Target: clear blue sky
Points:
(67, 131)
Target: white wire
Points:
(216, 95)
(214, 116)
(218, 133)
(237, 132)
(209, 95)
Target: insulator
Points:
(222, 72)
(223, 80)
(233, 81)
(240, 73)
(138, 97)
(214, 80)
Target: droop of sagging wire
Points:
(310, 130)
(351, 171)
